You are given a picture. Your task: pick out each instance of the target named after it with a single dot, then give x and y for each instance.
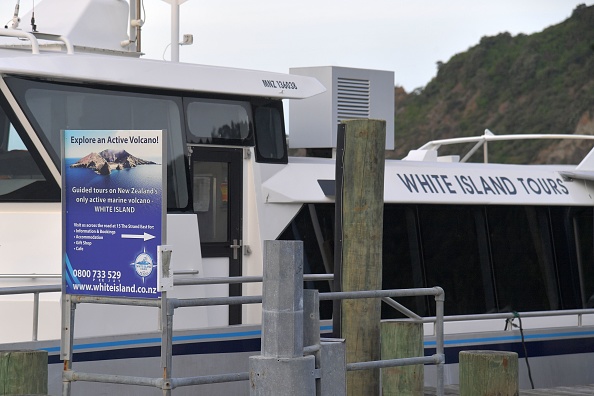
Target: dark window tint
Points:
(565, 246)
(523, 258)
(583, 226)
(402, 267)
(218, 122)
(270, 136)
(314, 225)
(453, 259)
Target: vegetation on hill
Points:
(539, 83)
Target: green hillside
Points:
(539, 83)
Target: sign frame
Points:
(113, 211)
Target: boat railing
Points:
(35, 291)
(578, 313)
(168, 306)
(58, 276)
(56, 288)
(488, 136)
(33, 38)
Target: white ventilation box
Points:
(350, 94)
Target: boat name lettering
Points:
(481, 185)
(279, 84)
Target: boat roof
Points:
(85, 45)
(92, 68)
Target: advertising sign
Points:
(114, 207)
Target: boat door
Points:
(217, 202)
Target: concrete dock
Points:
(562, 390)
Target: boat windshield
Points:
(21, 178)
(53, 107)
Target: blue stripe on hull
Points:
(533, 348)
(566, 343)
(194, 348)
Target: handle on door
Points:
(235, 246)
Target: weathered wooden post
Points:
(484, 373)
(359, 229)
(402, 340)
(23, 372)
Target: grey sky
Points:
(404, 36)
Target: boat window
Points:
(566, 248)
(314, 225)
(55, 107)
(584, 237)
(487, 258)
(401, 264)
(218, 122)
(21, 178)
(211, 199)
(453, 260)
(270, 136)
(522, 257)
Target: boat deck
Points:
(562, 390)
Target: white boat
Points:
(504, 241)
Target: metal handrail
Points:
(30, 276)
(22, 35)
(6, 291)
(36, 290)
(172, 303)
(34, 36)
(54, 276)
(488, 136)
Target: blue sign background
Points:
(112, 222)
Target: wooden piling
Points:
(402, 340)
(486, 373)
(359, 212)
(23, 372)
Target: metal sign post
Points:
(113, 221)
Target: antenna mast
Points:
(15, 18)
(175, 28)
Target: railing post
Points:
(67, 339)
(281, 369)
(166, 311)
(35, 316)
(311, 321)
(439, 340)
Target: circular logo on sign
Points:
(143, 265)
